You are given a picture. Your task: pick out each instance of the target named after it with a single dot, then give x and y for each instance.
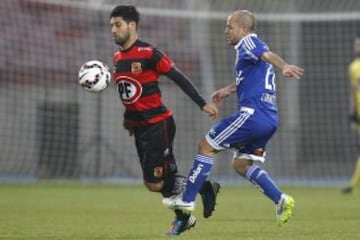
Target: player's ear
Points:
(243, 30)
(133, 26)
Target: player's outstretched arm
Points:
(219, 95)
(286, 69)
(187, 86)
(292, 71)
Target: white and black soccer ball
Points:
(94, 76)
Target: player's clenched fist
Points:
(211, 110)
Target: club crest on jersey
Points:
(129, 89)
(158, 171)
(136, 67)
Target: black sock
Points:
(181, 215)
(168, 186)
(173, 185)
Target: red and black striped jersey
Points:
(136, 75)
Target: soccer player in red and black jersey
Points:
(138, 66)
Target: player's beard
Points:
(124, 39)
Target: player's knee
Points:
(205, 148)
(154, 187)
(241, 166)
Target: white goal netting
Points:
(51, 128)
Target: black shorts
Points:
(154, 144)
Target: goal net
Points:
(51, 128)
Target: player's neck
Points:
(129, 43)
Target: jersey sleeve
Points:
(254, 48)
(186, 85)
(162, 62)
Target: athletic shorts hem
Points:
(248, 156)
(212, 143)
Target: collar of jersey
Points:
(237, 46)
(129, 48)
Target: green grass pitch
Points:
(75, 212)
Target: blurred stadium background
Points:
(50, 128)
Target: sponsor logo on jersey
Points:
(129, 89)
(268, 98)
(144, 49)
(136, 67)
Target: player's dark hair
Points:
(127, 12)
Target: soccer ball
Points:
(94, 76)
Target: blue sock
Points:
(262, 180)
(198, 174)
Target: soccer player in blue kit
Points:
(248, 130)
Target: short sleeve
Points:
(254, 48)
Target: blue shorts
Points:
(247, 131)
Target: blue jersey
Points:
(249, 129)
(255, 79)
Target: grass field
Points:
(76, 212)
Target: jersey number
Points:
(270, 79)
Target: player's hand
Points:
(292, 71)
(127, 125)
(219, 95)
(211, 110)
